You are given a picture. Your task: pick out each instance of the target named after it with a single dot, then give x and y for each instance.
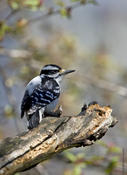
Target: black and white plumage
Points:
(42, 94)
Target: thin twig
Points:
(11, 14)
(52, 13)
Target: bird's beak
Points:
(65, 72)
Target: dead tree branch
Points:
(52, 136)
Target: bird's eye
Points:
(53, 71)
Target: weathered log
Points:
(52, 136)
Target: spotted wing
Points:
(40, 98)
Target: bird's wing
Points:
(26, 103)
(40, 98)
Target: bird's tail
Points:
(33, 120)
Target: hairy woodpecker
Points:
(42, 94)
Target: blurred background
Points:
(87, 35)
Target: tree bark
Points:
(52, 136)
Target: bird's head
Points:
(54, 71)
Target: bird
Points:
(42, 94)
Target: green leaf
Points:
(3, 29)
(75, 0)
(31, 2)
(112, 164)
(14, 5)
(78, 169)
(60, 3)
(83, 1)
(80, 155)
(63, 12)
(70, 156)
(115, 149)
(94, 2)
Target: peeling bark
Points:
(54, 135)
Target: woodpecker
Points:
(42, 94)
